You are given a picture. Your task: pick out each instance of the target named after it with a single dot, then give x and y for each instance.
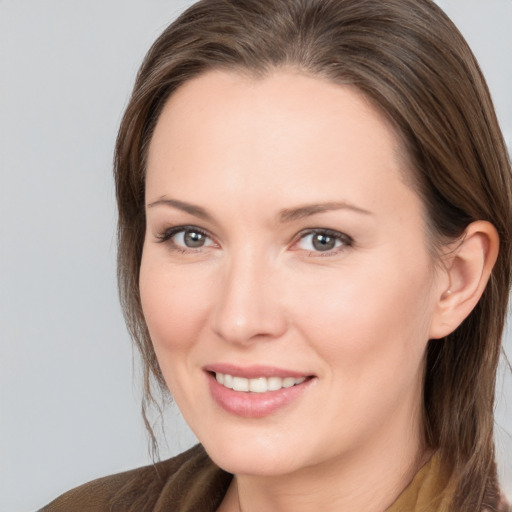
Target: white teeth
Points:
(258, 385)
(240, 384)
(274, 383)
(228, 381)
(288, 382)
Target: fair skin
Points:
(234, 281)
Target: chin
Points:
(251, 459)
(263, 450)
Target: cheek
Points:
(371, 330)
(174, 305)
(374, 316)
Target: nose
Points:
(249, 302)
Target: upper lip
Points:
(254, 371)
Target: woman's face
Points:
(284, 248)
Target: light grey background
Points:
(69, 411)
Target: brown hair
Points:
(410, 60)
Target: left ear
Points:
(467, 264)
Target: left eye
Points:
(322, 241)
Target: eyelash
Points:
(344, 240)
(168, 234)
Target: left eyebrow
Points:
(291, 214)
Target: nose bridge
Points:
(248, 305)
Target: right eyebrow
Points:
(192, 209)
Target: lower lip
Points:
(254, 405)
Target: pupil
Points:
(194, 239)
(323, 242)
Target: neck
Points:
(368, 479)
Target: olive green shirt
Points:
(191, 482)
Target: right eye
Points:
(186, 238)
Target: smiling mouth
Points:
(255, 391)
(258, 384)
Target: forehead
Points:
(271, 104)
(288, 136)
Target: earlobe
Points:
(468, 264)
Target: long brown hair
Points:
(408, 58)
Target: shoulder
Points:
(190, 481)
(502, 505)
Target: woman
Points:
(315, 220)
